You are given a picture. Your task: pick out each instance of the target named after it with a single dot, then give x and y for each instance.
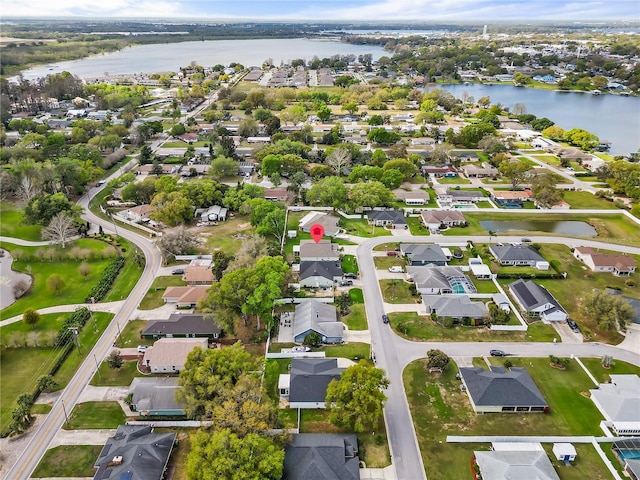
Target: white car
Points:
(301, 349)
(396, 269)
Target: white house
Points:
(618, 264)
(564, 452)
(536, 301)
(619, 403)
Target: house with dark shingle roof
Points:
(423, 254)
(518, 254)
(313, 316)
(135, 452)
(319, 274)
(322, 456)
(502, 390)
(383, 218)
(305, 386)
(155, 396)
(537, 301)
(183, 325)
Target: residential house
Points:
(319, 274)
(518, 255)
(559, 205)
(215, 213)
(412, 197)
(246, 168)
(305, 386)
(446, 171)
(619, 403)
(322, 456)
(185, 297)
(323, 251)
(276, 194)
(424, 254)
(512, 464)
(627, 452)
(434, 219)
(440, 280)
(459, 197)
(383, 218)
(328, 222)
(484, 171)
(536, 301)
(136, 214)
(467, 156)
(620, 265)
(480, 270)
(313, 316)
(155, 396)
(135, 452)
(168, 355)
(502, 390)
(198, 275)
(454, 306)
(183, 325)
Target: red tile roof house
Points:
(276, 194)
(618, 264)
(185, 297)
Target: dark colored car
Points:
(350, 275)
(178, 271)
(346, 283)
(385, 319)
(573, 325)
(497, 353)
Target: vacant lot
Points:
(227, 236)
(95, 415)
(68, 461)
(108, 377)
(587, 200)
(397, 291)
(439, 408)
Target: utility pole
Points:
(74, 330)
(66, 417)
(97, 366)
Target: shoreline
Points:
(532, 87)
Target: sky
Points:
(335, 10)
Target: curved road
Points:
(393, 353)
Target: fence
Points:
(284, 301)
(509, 328)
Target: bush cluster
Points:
(109, 275)
(76, 319)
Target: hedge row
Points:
(76, 319)
(109, 275)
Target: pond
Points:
(563, 227)
(9, 279)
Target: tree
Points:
(46, 383)
(338, 159)
(355, 401)
(31, 317)
(223, 166)
(371, 194)
(271, 164)
(220, 263)
(582, 138)
(437, 359)
(314, 339)
(392, 178)
(222, 454)
(516, 172)
(553, 132)
(42, 208)
(407, 168)
(171, 208)
(60, 229)
(470, 135)
(611, 312)
(178, 242)
(21, 415)
(273, 225)
(343, 303)
(55, 283)
(323, 113)
(210, 372)
(330, 191)
(382, 137)
(114, 360)
(498, 316)
(544, 191)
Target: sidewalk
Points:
(109, 307)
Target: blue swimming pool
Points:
(629, 454)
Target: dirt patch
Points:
(12, 447)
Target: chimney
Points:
(117, 460)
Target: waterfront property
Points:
(434, 219)
(619, 264)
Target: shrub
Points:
(109, 275)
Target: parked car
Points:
(573, 325)
(142, 348)
(385, 319)
(396, 269)
(393, 253)
(178, 271)
(350, 275)
(345, 283)
(497, 353)
(301, 348)
(525, 240)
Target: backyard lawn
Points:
(349, 264)
(227, 236)
(153, 298)
(587, 200)
(95, 415)
(439, 408)
(587, 464)
(416, 327)
(68, 461)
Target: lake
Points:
(612, 117)
(169, 57)
(563, 227)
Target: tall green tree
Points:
(516, 172)
(611, 312)
(31, 317)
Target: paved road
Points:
(393, 353)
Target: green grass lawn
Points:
(37, 335)
(361, 228)
(384, 263)
(416, 227)
(130, 334)
(485, 286)
(21, 367)
(356, 295)
(109, 377)
(220, 237)
(587, 200)
(95, 415)
(421, 328)
(548, 159)
(13, 226)
(128, 276)
(587, 464)
(356, 319)
(397, 291)
(153, 298)
(594, 365)
(68, 461)
(349, 264)
(453, 180)
(353, 351)
(439, 408)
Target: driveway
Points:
(102, 394)
(362, 336)
(82, 437)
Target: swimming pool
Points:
(458, 288)
(629, 454)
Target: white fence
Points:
(284, 301)
(509, 328)
(296, 355)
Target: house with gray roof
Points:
(313, 316)
(619, 403)
(536, 301)
(518, 255)
(323, 251)
(451, 196)
(423, 254)
(328, 222)
(214, 213)
(322, 456)
(319, 274)
(501, 390)
(440, 280)
(305, 386)
(515, 464)
(135, 452)
(155, 396)
(433, 219)
(454, 306)
(169, 355)
(183, 325)
(384, 218)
